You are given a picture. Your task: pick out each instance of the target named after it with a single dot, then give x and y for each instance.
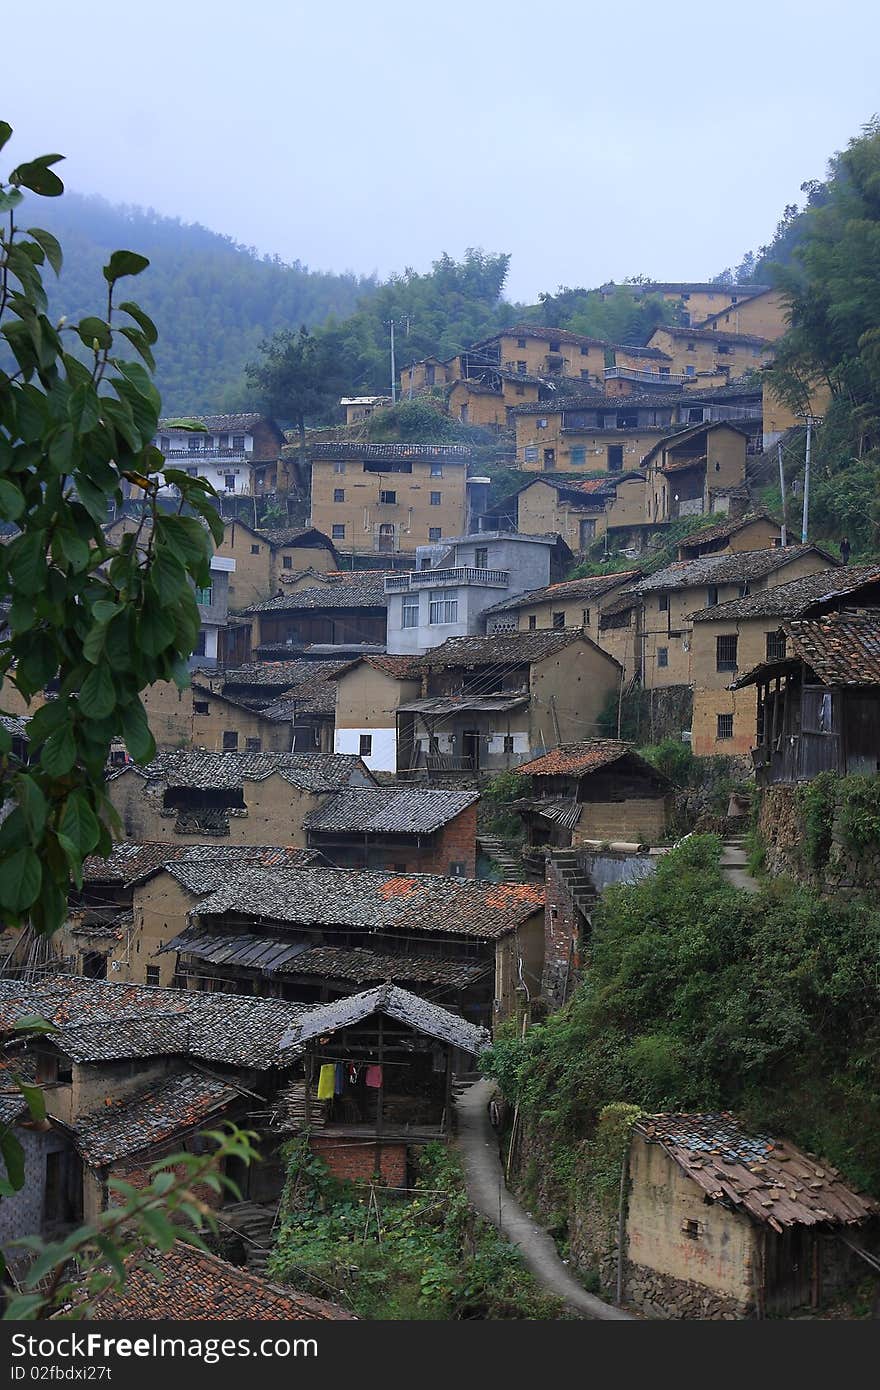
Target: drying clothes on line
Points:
(339, 1083)
(353, 1074)
(327, 1081)
(373, 1078)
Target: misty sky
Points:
(592, 141)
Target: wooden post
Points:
(447, 1104)
(379, 1101)
(309, 1074)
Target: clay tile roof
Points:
(308, 536)
(768, 1179)
(400, 668)
(714, 335)
(204, 770)
(588, 756)
(150, 1116)
(798, 596)
(417, 903)
(733, 567)
(389, 810)
(194, 1286)
(345, 449)
(592, 587)
(504, 648)
(695, 539)
(221, 423)
(842, 648)
(399, 1004)
(129, 862)
(278, 675)
(361, 589)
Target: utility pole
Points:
(393, 369)
(782, 491)
(811, 421)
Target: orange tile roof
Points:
(588, 756)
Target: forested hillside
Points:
(213, 301)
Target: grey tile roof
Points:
(796, 598)
(389, 810)
(345, 449)
(590, 589)
(418, 903)
(204, 873)
(269, 676)
(361, 589)
(727, 568)
(503, 648)
(144, 1020)
(222, 423)
(396, 1003)
(150, 1116)
(304, 536)
(308, 771)
(723, 530)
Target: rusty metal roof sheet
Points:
(767, 1179)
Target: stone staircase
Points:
(254, 1223)
(498, 852)
(579, 885)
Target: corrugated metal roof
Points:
(389, 810)
(767, 1179)
(398, 1004)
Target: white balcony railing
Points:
(195, 455)
(428, 579)
(637, 374)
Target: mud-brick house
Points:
(262, 557)
(754, 531)
(599, 789)
(405, 830)
(368, 693)
(131, 1075)
(579, 509)
(184, 1284)
(723, 1223)
(710, 354)
(670, 599)
(137, 899)
(392, 1057)
(730, 638)
(350, 610)
(569, 604)
(246, 798)
(819, 700)
(694, 471)
(310, 934)
(491, 703)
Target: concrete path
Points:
(485, 1184)
(734, 865)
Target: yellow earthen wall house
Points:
(273, 814)
(724, 468)
(573, 451)
(259, 563)
(534, 351)
(372, 501)
(570, 604)
(216, 721)
(473, 404)
(367, 699)
(664, 1205)
(701, 351)
(779, 417)
(427, 375)
(762, 315)
(541, 510)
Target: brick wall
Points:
(561, 938)
(356, 1159)
(455, 844)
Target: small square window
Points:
(457, 868)
(338, 466)
(254, 745)
(388, 499)
(339, 494)
(578, 456)
(530, 454)
(152, 975)
(338, 533)
(201, 707)
(436, 499)
(238, 443)
(533, 622)
(663, 603)
(255, 550)
(662, 656)
(541, 424)
(553, 347)
(520, 342)
(287, 562)
(522, 368)
(434, 533)
(230, 740)
(558, 620)
(725, 653)
(725, 726)
(436, 470)
(585, 351)
(365, 746)
(775, 646)
(519, 390)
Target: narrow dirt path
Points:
(734, 865)
(485, 1184)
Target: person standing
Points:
(844, 550)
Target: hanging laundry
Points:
(340, 1078)
(373, 1078)
(326, 1081)
(353, 1074)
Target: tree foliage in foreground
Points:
(699, 997)
(97, 622)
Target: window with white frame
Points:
(411, 610)
(444, 608)
(531, 453)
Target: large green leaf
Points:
(20, 878)
(97, 697)
(59, 753)
(79, 823)
(136, 731)
(51, 246)
(124, 263)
